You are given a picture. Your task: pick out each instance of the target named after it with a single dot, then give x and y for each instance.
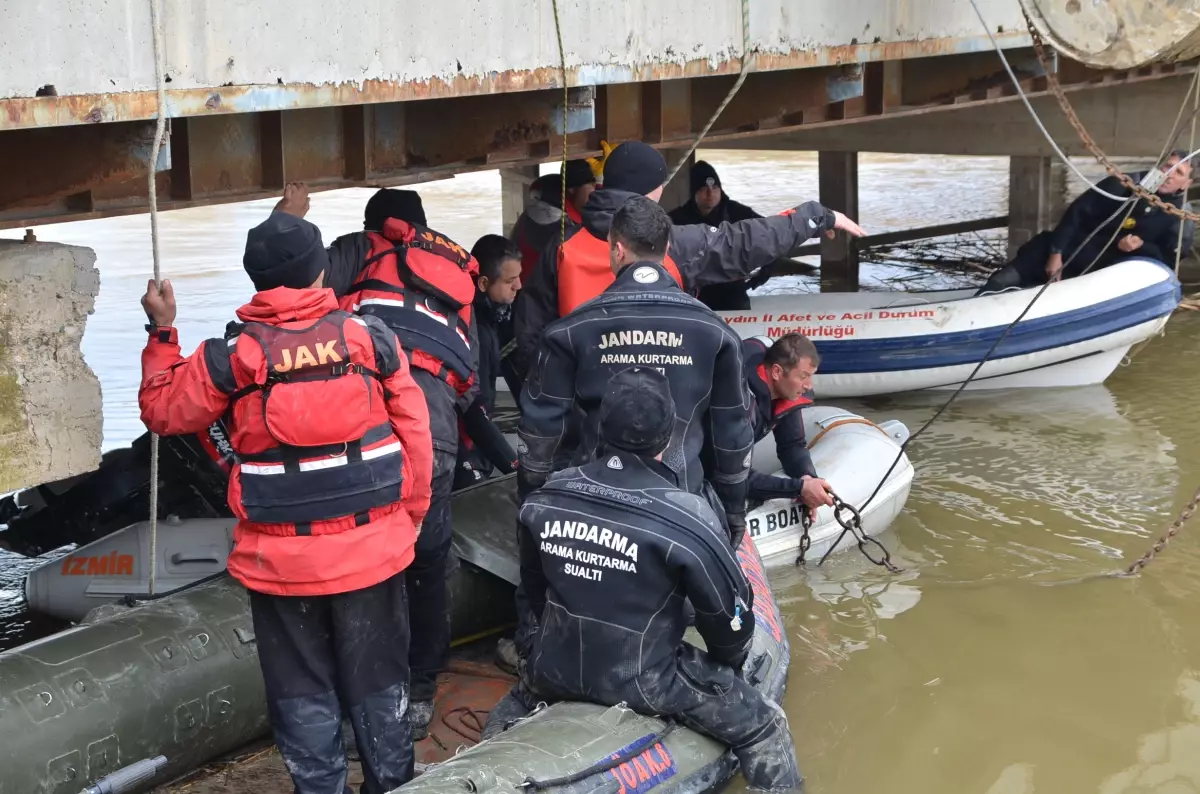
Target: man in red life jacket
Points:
(577, 270)
(329, 503)
(542, 218)
(421, 284)
(779, 376)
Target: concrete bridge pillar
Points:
(1036, 192)
(514, 194)
(50, 412)
(837, 180)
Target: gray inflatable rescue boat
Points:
(581, 748)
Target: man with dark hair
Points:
(328, 516)
(612, 630)
(1146, 231)
(779, 374)
(574, 271)
(643, 318)
(482, 448)
(710, 205)
(421, 284)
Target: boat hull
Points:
(872, 343)
(853, 454)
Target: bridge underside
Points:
(219, 153)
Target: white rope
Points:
(159, 131)
(744, 70)
(1021, 92)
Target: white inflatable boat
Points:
(849, 451)
(1076, 334)
(853, 454)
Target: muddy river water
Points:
(997, 662)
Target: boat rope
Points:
(601, 766)
(1126, 203)
(160, 128)
(743, 72)
(1097, 152)
(562, 65)
(1056, 88)
(850, 420)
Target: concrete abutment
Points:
(50, 410)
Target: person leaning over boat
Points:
(577, 270)
(710, 205)
(779, 374)
(321, 548)
(481, 447)
(425, 295)
(1147, 231)
(643, 317)
(610, 553)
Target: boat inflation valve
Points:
(129, 778)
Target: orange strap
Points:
(853, 420)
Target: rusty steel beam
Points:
(45, 166)
(88, 109)
(97, 171)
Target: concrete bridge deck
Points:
(363, 93)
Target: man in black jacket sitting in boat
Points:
(610, 552)
(779, 374)
(1096, 232)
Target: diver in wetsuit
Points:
(610, 553)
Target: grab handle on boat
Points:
(128, 778)
(181, 558)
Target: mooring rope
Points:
(159, 131)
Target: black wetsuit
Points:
(784, 420)
(642, 318)
(1090, 211)
(610, 552)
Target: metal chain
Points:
(852, 523)
(1097, 152)
(1184, 515)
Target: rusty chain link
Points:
(1097, 152)
(1188, 511)
(851, 523)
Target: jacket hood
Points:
(543, 213)
(602, 205)
(283, 304)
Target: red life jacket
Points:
(584, 270)
(421, 284)
(310, 426)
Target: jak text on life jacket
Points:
(310, 425)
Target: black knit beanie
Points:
(284, 251)
(635, 167)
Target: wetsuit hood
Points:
(600, 208)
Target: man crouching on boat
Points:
(779, 374)
(329, 502)
(610, 552)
